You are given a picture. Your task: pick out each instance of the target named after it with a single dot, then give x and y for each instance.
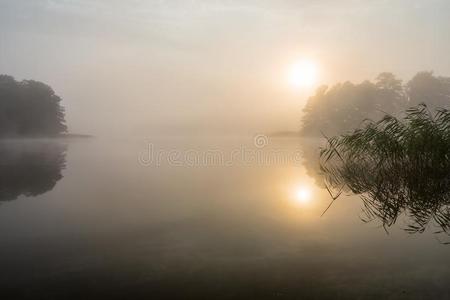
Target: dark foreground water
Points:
(191, 218)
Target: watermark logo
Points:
(258, 154)
(261, 140)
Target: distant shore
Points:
(56, 136)
(74, 135)
(285, 134)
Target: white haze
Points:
(210, 67)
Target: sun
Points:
(303, 73)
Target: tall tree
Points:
(431, 90)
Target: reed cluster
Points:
(397, 166)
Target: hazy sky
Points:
(144, 67)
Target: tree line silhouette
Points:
(29, 108)
(345, 106)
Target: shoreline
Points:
(58, 136)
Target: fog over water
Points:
(221, 149)
(113, 227)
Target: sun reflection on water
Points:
(302, 195)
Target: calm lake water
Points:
(200, 218)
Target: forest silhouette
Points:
(343, 107)
(29, 108)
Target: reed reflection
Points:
(397, 167)
(30, 168)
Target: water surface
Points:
(89, 219)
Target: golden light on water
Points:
(302, 195)
(303, 74)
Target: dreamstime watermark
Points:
(261, 140)
(258, 154)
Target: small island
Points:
(30, 108)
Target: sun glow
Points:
(302, 195)
(303, 74)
